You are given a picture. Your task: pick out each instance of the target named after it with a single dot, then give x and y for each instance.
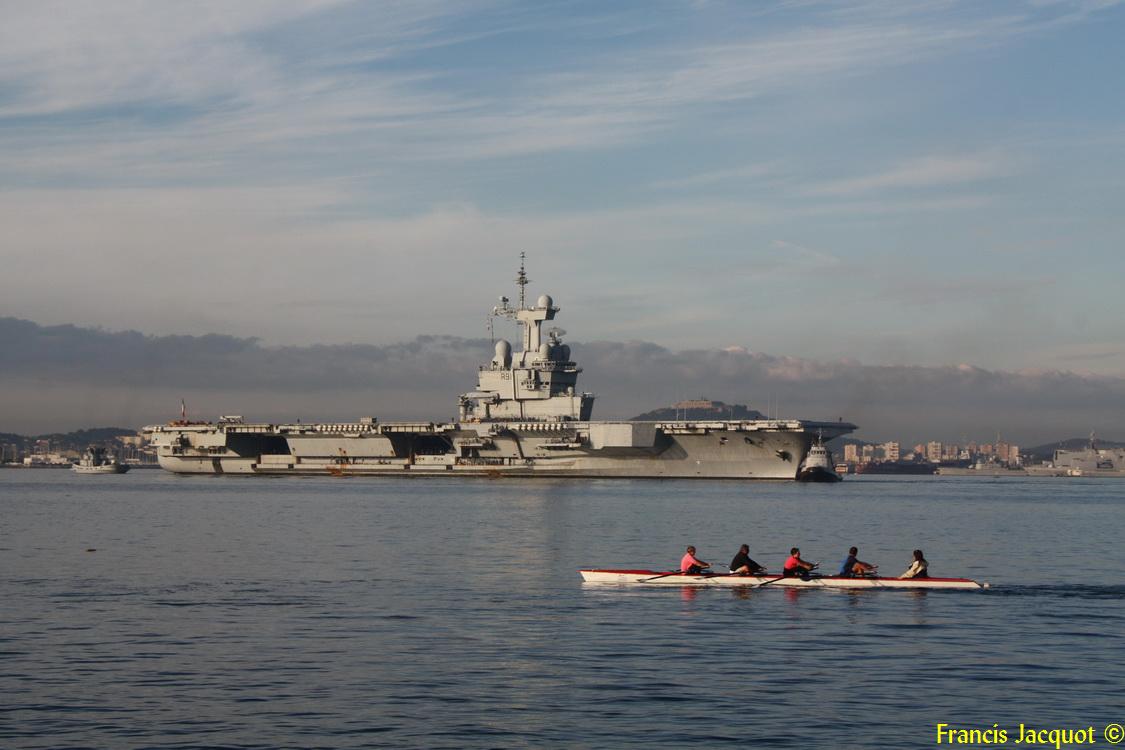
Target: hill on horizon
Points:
(699, 409)
(78, 439)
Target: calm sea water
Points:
(227, 612)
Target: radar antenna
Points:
(522, 280)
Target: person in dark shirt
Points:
(853, 567)
(743, 564)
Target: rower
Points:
(690, 564)
(853, 567)
(919, 568)
(742, 563)
(796, 567)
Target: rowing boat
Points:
(674, 578)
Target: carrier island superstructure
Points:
(525, 418)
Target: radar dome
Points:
(545, 301)
(564, 353)
(503, 353)
(545, 352)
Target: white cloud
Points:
(922, 172)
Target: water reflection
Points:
(920, 598)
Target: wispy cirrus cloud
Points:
(211, 71)
(781, 258)
(60, 57)
(921, 172)
(748, 172)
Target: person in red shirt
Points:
(690, 564)
(795, 566)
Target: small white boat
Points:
(96, 461)
(676, 578)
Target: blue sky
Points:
(928, 183)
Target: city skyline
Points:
(933, 184)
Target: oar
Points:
(775, 580)
(752, 578)
(665, 575)
(662, 575)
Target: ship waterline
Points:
(525, 418)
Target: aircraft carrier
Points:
(525, 418)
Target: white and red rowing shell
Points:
(659, 578)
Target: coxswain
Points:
(919, 568)
(690, 564)
(796, 567)
(742, 563)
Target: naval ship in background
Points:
(1092, 461)
(525, 418)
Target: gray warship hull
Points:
(753, 449)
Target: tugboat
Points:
(817, 466)
(96, 461)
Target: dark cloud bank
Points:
(64, 377)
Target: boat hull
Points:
(658, 578)
(818, 474)
(102, 469)
(753, 449)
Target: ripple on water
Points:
(300, 614)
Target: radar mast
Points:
(522, 280)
